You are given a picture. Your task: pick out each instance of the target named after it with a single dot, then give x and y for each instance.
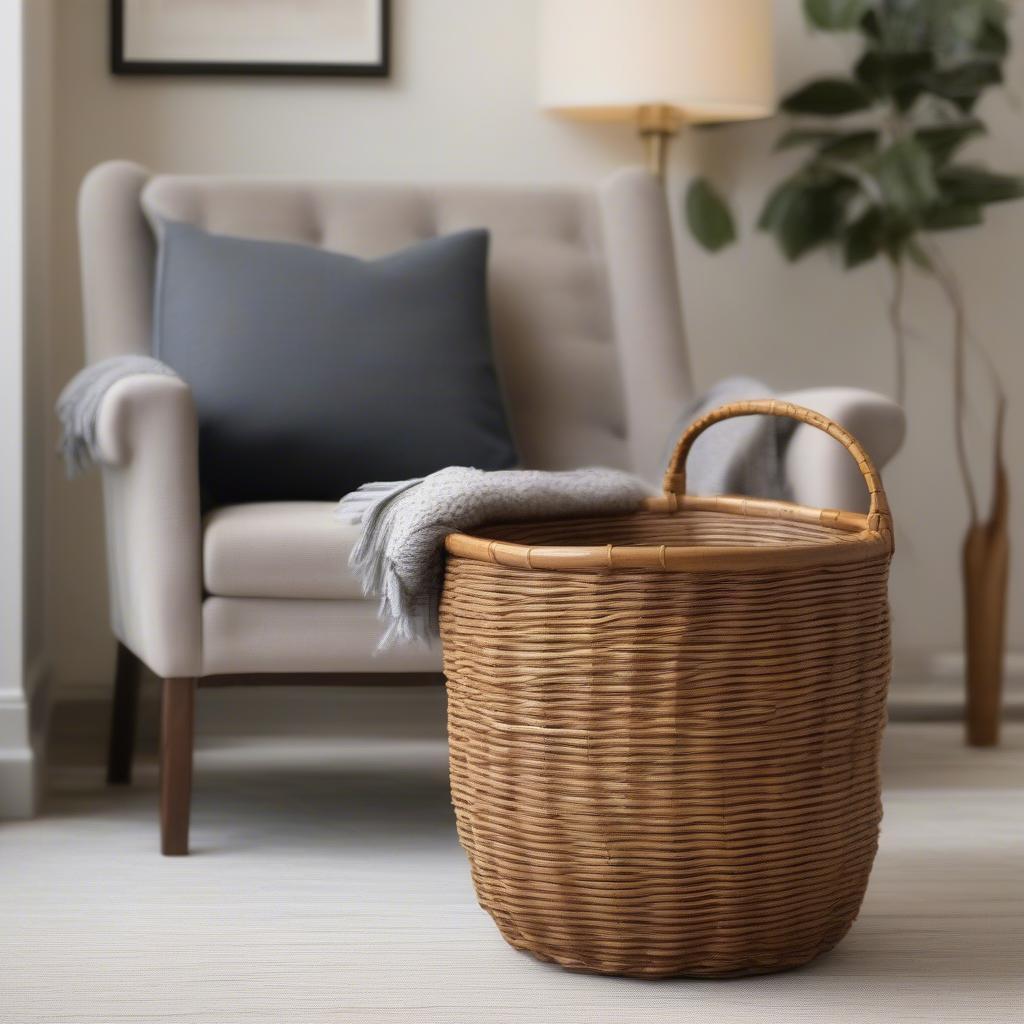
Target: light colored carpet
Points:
(327, 885)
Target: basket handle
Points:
(674, 484)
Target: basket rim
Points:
(853, 541)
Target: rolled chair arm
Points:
(147, 440)
(819, 472)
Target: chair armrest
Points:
(147, 438)
(821, 472)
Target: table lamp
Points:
(657, 63)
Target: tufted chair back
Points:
(584, 301)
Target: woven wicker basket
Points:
(665, 726)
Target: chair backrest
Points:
(585, 308)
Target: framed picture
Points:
(250, 37)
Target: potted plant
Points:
(881, 176)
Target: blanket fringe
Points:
(79, 404)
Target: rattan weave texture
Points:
(662, 771)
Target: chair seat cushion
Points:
(293, 549)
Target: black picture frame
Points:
(119, 65)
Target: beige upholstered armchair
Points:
(589, 342)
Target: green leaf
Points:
(942, 141)
(906, 177)
(835, 15)
(828, 96)
(955, 31)
(956, 25)
(994, 41)
(774, 210)
(893, 74)
(965, 184)
(918, 255)
(839, 145)
(898, 239)
(864, 238)
(964, 84)
(708, 216)
(803, 216)
(962, 29)
(850, 146)
(805, 136)
(871, 26)
(997, 11)
(949, 217)
(968, 80)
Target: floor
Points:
(327, 885)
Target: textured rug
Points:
(327, 885)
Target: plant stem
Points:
(1000, 432)
(999, 426)
(990, 368)
(947, 281)
(899, 334)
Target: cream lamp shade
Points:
(660, 63)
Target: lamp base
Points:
(657, 124)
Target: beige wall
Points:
(461, 105)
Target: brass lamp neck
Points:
(657, 124)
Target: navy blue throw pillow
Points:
(314, 372)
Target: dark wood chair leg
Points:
(177, 727)
(123, 717)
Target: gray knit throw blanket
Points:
(400, 553)
(79, 404)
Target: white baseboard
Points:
(934, 687)
(952, 665)
(928, 688)
(227, 714)
(24, 716)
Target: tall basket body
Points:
(665, 727)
